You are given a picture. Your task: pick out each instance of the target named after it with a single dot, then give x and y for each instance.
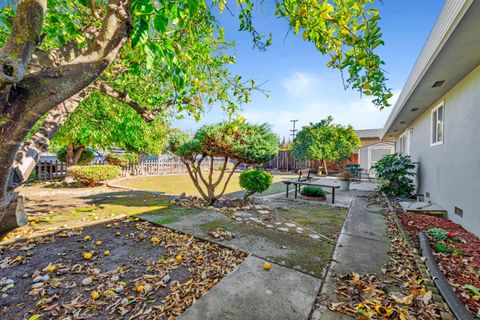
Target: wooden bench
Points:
(304, 179)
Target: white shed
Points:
(370, 154)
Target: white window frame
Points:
(406, 135)
(432, 124)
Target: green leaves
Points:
(394, 173)
(325, 141)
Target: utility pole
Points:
(293, 131)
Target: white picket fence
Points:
(164, 165)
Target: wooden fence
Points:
(163, 165)
(286, 162)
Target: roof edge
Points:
(451, 15)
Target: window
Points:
(404, 143)
(437, 124)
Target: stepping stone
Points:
(269, 226)
(283, 229)
(263, 211)
(249, 292)
(278, 223)
(300, 229)
(291, 225)
(314, 236)
(243, 214)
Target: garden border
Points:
(420, 264)
(447, 292)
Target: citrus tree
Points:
(101, 122)
(325, 141)
(53, 53)
(234, 142)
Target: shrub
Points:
(394, 173)
(122, 159)
(344, 175)
(312, 191)
(438, 233)
(253, 181)
(440, 247)
(91, 175)
(86, 157)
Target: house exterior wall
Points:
(450, 172)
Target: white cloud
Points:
(299, 83)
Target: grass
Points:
(100, 207)
(322, 219)
(176, 184)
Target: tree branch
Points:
(195, 180)
(123, 96)
(25, 33)
(222, 173)
(228, 179)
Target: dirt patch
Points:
(137, 269)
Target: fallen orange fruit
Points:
(95, 295)
(106, 252)
(178, 258)
(267, 266)
(87, 255)
(86, 238)
(140, 288)
(51, 268)
(98, 243)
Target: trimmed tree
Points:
(253, 181)
(326, 142)
(236, 142)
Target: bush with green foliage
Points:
(92, 175)
(86, 157)
(236, 141)
(313, 191)
(394, 175)
(438, 233)
(122, 159)
(253, 181)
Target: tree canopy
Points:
(325, 141)
(101, 122)
(234, 142)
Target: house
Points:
(436, 119)
(373, 148)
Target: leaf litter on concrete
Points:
(398, 293)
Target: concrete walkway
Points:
(250, 292)
(362, 247)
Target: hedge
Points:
(92, 175)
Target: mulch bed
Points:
(136, 271)
(462, 267)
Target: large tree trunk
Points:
(29, 98)
(31, 149)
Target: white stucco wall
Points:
(450, 172)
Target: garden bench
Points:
(304, 179)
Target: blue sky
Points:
(301, 86)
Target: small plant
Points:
(254, 181)
(442, 248)
(438, 233)
(394, 172)
(122, 159)
(92, 175)
(344, 175)
(312, 191)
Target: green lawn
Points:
(176, 184)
